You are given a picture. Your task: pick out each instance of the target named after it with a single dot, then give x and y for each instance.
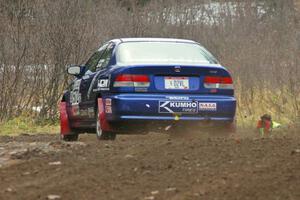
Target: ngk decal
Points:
(108, 108)
(108, 102)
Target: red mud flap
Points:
(64, 120)
(105, 126)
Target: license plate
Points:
(177, 83)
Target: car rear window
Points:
(130, 53)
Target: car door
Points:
(101, 83)
(84, 83)
(91, 82)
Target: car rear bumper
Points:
(137, 106)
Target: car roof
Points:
(121, 40)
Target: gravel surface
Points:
(153, 166)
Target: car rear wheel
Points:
(101, 134)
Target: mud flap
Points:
(64, 120)
(105, 126)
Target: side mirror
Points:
(74, 70)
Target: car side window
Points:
(91, 64)
(105, 58)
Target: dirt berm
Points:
(153, 166)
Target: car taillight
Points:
(218, 82)
(132, 80)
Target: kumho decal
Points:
(183, 104)
(178, 107)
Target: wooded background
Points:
(257, 40)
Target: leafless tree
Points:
(258, 40)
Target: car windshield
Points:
(130, 53)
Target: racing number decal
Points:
(75, 96)
(103, 83)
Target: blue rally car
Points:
(143, 84)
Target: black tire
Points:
(70, 137)
(103, 135)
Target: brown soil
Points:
(153, 166)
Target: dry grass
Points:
(280, 104)
(26, 125)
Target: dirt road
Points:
(153, 166)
